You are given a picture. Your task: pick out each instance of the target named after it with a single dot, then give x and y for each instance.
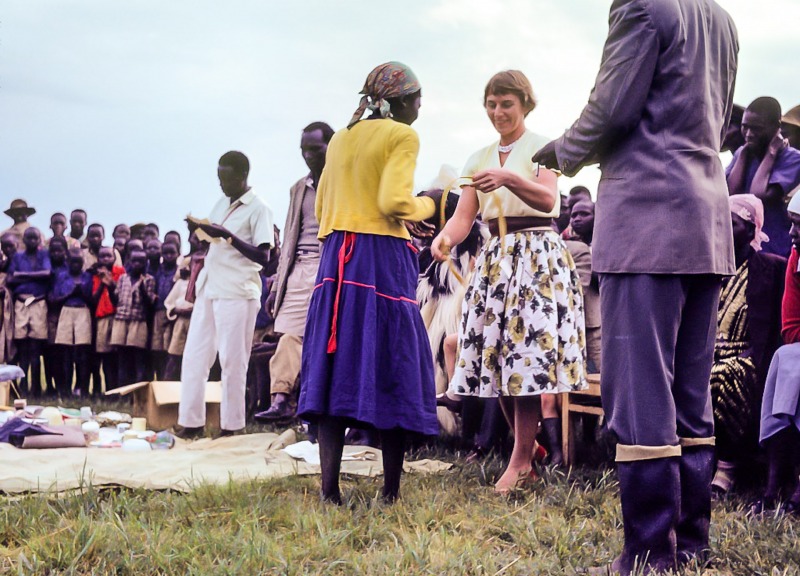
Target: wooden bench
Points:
(575, 403)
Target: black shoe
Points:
(763, 506)
(188, 432)
(791, 508)
(277, 411)
(226, 433)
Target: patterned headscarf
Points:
(749, 207)
(390, 80)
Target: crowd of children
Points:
(99, 316)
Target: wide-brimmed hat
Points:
(19, 206)
(792, 117)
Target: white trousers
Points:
(224, 326)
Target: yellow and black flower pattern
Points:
(522, 330)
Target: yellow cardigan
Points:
(368, 179)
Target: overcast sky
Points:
(124, 107)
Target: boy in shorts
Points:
(29, 279)
(72, 290)
(162, 326)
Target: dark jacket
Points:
(764, 294)
(655, 122)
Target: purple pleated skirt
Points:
(366, 356)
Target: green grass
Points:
(448, 523)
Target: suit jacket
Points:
(291, 233)
(655, 121)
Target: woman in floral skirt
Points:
(522, 332)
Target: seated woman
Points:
(748, 333)
(780, 409)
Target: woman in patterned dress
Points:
(522, 331)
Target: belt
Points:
(303, 252)
(517, 223)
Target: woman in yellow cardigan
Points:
(366, 357)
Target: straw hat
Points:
(792, 117)
(19, 206)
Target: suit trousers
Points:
(225, 326)
(658, 348)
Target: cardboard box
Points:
(158, 402)
(5, 394)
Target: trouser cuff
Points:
(689, 442)
(633, 453)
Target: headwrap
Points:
(794, 203)
(390, 80)
(750, 208)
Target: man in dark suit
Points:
(297, 271)
(655, 122)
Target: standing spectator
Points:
(228, 297)
(162, 325)
(72, 291)
(54, 354)
(77, 226)
(105, 276)
(297, 271)
(8, 247)
(29, 279)
(582, 227)
(58, 224)
(136, 295)
(19, 211)
(767, 167)
(655, 121)
(95, 235)
(179, 312)
(790, 127)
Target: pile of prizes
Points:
(28, 426)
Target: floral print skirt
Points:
(522, 330)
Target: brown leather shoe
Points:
(277, 411)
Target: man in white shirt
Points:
(228, 297)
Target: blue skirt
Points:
(366, 356)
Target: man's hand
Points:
(269, 305)
(546, 156)
(215, 230)
(420, 229)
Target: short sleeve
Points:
(262, 226)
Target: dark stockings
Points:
(109, 364)
(77, 356)
(330, 435)
(132, 365)
(173, 369)
(29, 352)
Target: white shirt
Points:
(227, 274)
